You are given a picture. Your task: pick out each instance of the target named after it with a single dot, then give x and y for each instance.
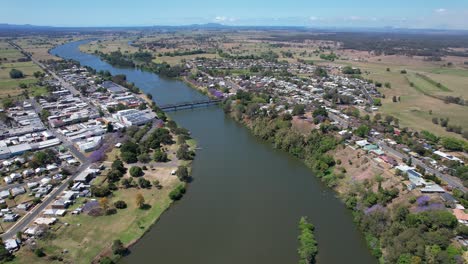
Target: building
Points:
(133, 117)
(461, 216)
(17, 191)
(432, 188)
(90, 144)
(11, 245)
(113, 87)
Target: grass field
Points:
(86, 236)
(39, 46)
(417, 101)
(10, 87)
(109, 45)
(433, 80)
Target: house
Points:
(54, 212)
(24, 206)
(404, 168)
(461, 216)
(4, 194)
(362, 143)
(51, 167)
(448, 199)
(7, 179)
(17, 191)
(60, 204)
(389, 160)
(10, 218)
(85, 176)
(35, 230)
(414, 173)
(11, 245)
(447, 156)
(415, 181)
(432, 188)
(28, 172)
(45, 220)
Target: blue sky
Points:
(452, 14)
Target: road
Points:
(450, 180)
(62, 82)
(27, 219)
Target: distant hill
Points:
(22, 29)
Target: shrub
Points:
(120, 204)
(39, 252)
(136, 171)
(16, 74)
(177, 193)
(118, 248)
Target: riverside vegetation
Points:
(394, 231)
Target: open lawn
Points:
(9, 86)
(109, 45)
(86, 236)
(39, 46)
(417, 101)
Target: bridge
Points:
(189, 105)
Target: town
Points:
(52, 148)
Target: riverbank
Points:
(124, 205)
(396, 222)
(237, 182)
(87, 238)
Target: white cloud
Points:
(313, 18)
(224, 19)
(441, 11)
(354, 18)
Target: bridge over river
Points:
(189, 105)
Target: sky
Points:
(439, 14)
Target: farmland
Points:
(421, 91)
(11, 87)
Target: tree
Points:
(129, 157)
(136, 171)
(104, 203)
(144, 158)
(39, 252)
(177, 193)
(362, 131)
(184, 153)
(144, 183)
(118, 248)
(160, 156)
(298, 110)
(16, 74)
(182, 173)
(321, 111)
(8, 103)
(5, 255)
(307, 244)
(453, 143)
(110, 127)
(127, 182)
(140, 200)
(38, 74)
(120, 204)
(118, 165)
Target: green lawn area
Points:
(9, 86)
(87, 236)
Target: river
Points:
(246, 199)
